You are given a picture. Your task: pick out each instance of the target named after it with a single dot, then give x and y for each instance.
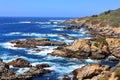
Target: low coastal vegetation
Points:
(110, 17)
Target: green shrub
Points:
(100, 42)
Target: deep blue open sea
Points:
(12, 28)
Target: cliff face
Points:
(108, 19)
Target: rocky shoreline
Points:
(34, 42)
(7, 72)
(104, 44)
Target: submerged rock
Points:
(42, 65)
(66, 77)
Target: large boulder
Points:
(89, 71)
(19, 62)
(75, 50)
(84, 48)
(114, 46)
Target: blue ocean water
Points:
(12, 28)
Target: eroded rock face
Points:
(34, 42)
(19, 62)
(89, 71)
(83, 49)
(4, 71)
(114, 46)
(97, 72)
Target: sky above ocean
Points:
(55, 8)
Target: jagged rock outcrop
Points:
(34, 42)
(84, 48)
(34, 71)
(114, 46)
(4, 71)
(89, 71)
(19, 62)
(97, 72)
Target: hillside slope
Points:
(109, 19)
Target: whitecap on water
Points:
(91, 61)
(44, 50)
(64, 69)
(58, 29)
(12, 33)
(21, 70)
(25, 22)
(9, 45)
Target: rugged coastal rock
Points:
(34, 71)
(99, 48)
(34, 42)
(105, 25)
(19, 63)
(89, 71)
(97, 72)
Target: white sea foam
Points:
(64, 70)
(27, 22)
(69, 42)
(21, 70)
(48, 58)
(9, 45)
(57, 20)
(44, 50)
(43, 22)
(12, 33)
(91, 61)
(7, 58)
(58, 29)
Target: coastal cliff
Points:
(106, 24)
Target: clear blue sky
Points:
(56, 8)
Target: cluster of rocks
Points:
(102, 32)
(96, 72)
(7, 73)
(71, 27)
(34, 42)
(86, 48)
(95, 30)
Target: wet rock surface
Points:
(34, 42)
(34, 71)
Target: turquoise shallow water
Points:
(21, 28)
